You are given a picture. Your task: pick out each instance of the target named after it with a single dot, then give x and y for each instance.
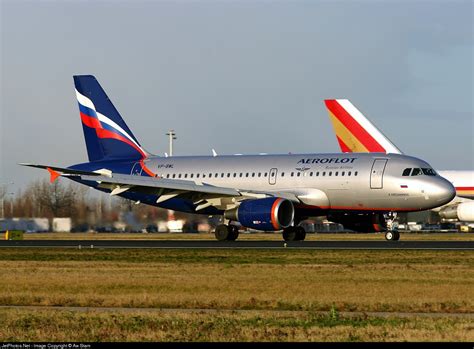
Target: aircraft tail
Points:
(354, 132)
(107, 136)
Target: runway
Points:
(214, 244)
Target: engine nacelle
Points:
(362, 223)
(463, 212)
(267, 214)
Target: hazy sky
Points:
(237, 76)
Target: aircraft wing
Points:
(199, 192)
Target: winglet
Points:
(54, 174)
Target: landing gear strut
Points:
(226, 232)
(294, 234)
(392, 233)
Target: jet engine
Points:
(360, 222)
(268, 214)
(463, 212)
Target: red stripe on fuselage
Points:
(350, 208)
(146, 169)
(353, 126)
(464, 188)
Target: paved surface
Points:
(214, 244)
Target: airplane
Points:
(261, 192)
(355, 133)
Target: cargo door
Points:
(376, 175)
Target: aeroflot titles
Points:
(327, 161)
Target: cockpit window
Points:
(429, 171)
(416, 172)
(406, 172)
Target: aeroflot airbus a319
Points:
(263, 192)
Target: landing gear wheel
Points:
(222, 232)
(300, 233)
(289, 234)
(234, 232)
(392, 235)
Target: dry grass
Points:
(413, 281)
(243, 236)
(260, 280)
(53, 325)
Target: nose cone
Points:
(442, 191)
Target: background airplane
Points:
(355, 133)
(263, 192)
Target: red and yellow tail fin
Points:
(354, 132)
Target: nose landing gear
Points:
(392, 233)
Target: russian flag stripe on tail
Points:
(106, 134)
(354, 132)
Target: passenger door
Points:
(272, 176)
(376, 174)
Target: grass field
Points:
(270, 284)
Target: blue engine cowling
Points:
(267, 214)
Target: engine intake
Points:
(267, 214)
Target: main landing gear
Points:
(227, 232)
(294, 234)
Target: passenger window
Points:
(240, 175)
(210, 175)
(192, 175)
(317, 174)
(259, 174)
(216, 175)
(235, 174)
(228, 174)
(343, 173)
(265, 174)
(311, 174)
(197, 175)
(253, 174)
(247, 174)
(336, 173)
(330, 173)
(292, 174)
(179, 175)
(185, 175)
(416, 172)
(355, 173)
(174, 175)
(222, 175)
(298, 174)
(283, 174)
(324, 173)
(168, 175)
(203, 175)
(406, 172)
(349, 173)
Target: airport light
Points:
(172, 135)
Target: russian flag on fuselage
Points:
(106, 134)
